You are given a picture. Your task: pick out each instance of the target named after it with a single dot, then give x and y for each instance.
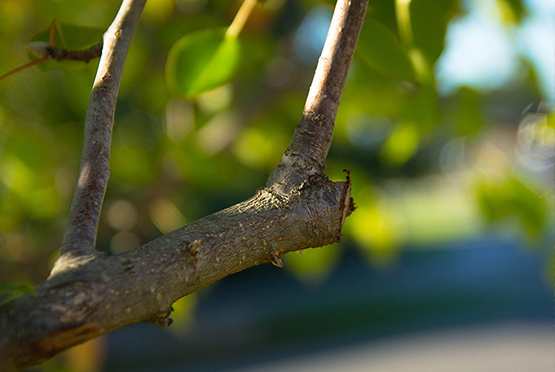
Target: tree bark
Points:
(89, 294)
(78, 246)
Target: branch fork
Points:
(89, 294)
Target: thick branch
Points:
(140, 285)
(79, 241)
(309, 148)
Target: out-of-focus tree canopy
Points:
(426, 167)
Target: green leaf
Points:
(132, 164)
(429, 24)
(13, 290)
(401, 145)
(379, 48)
(510, 10)
(201, 61)
(383, 11)
(66, 36)
(313, 265)
(71, 37)
(373, 227)
(513, 198)
(17, 288)
(529, 207)
(470, 118)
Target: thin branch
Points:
(141, 285)
(81, 230)
(309, 148)
(48, 51)
(84, 55)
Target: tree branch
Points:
(300, 208)
(78, 246)
(111, 292)
(312, 139)
(45, 50)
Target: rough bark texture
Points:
(111, 292)
(78, 246)
(89, 294)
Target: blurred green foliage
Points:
(202, 61)
(511, 197)
(176, 160)
(379, 47)
(13, 290)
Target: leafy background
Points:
(440, 155)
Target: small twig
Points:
(61, 54)
(52, 51)
(240, 18)
(333, 66)
(48, 51)
(79, 241)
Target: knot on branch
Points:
(276, 260)
(316, 117)
(162, 318)
(191, 251)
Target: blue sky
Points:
(484, 54)
(481, 52)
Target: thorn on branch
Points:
(162, 319)
(347, 202)
(348, 171)
(276, 260)
(32, 63)
(193, 248)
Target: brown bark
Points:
(89, 294)
(81, 229)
